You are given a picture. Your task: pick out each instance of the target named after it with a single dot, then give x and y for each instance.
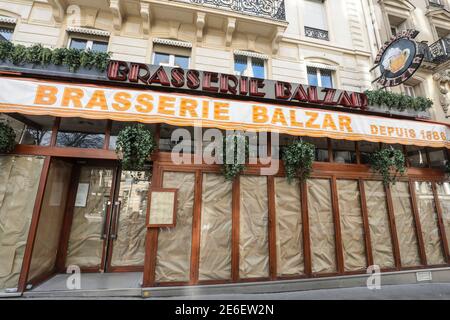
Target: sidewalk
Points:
(428, 291)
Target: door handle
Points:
(117, 205)
(105, 213)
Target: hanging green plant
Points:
(72, 59)
(134, 145)
(7, 138)
(388, 163)
(6, 48)
(39, 55)
(235, 154)
(18, 54)
(298, 159)
(58, 55)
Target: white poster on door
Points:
(82, 194)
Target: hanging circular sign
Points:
(399, 59)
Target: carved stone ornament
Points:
(443, 79)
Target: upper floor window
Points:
(6, 33)
(87, 44)
(171, 60)
(397, 24)
(320, 77)
(249, 66)
(413, 88)
(171, 53)
(315, 18)
(411, 91)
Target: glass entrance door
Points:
(127, 241)
(108, 225)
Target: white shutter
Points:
(314, 14)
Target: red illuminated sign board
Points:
(232, 86)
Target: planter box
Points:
(406, 113)
(53, 70)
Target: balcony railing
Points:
(316, 33)
(272, 9)
(437, 4)
(440, 50)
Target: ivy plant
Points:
(7, 138)
(40, 56)
(298, 159)
(395, 101)
(134, 145)
(447, 169)
(388, 163)
(235, 154)
(6, 48)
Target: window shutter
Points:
(314, 14)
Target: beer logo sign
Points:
(398, 59)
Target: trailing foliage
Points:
(235, 154)
(388, 162)
(298, 158)
(395, 101)
(134, 145)
(447, 168)
(7, 138)
(38, 55)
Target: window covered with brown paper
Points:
(253, 235)
(129, 247)
(216, 223)
(406, 227)
(352, 229)
(288, 228)
(51, 219)
(321, 226)
(443, 190)
(19, 180)
(174, 244)
(429, 223)
(380, 232)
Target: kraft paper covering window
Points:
(443, 190)
(380, 232)
(321, 226)
(215, 241)
(129, 247)
(288, 228)
(352, 228)
(253, 234)
(404, 221)
(429, 223)
(51, 219)
(19, 180)
(174, 244)
(85, 241)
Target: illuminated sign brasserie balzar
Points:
(231, 85)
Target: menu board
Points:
(163, 208)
